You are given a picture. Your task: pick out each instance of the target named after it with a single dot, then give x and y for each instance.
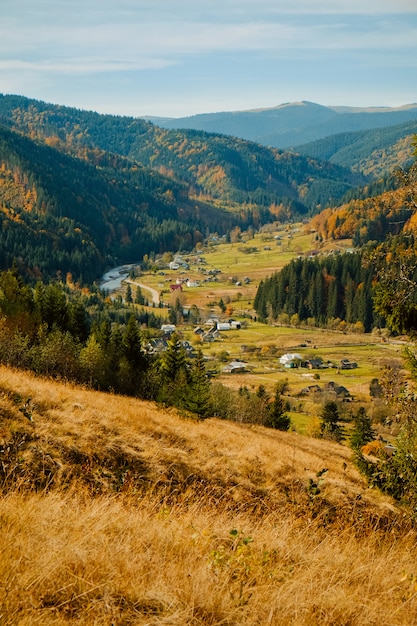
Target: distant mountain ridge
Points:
(288, 125)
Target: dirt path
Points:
(154, 292)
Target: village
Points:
(206, 298)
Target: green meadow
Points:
(242, 265)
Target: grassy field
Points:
(116, 512)
(271, 342)
(253, 258)
(261, 345)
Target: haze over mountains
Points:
(292, 124)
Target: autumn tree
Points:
(395, 264)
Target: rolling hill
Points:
(217, 167)
(294, 123)
(66, 214)
(372, 152)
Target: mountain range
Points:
(293, 124)
(80, 191)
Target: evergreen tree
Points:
(139, 298)
(261, 405)
(332, 300)
(329, 426)
(132, 345)
(198, 398)
(277, 417)
(104, 333)
(79, 321)
(362, 431)
(128, 296)
(174, 359)
(375, 388)
(222, 305)
(52, 303)
(174, 373)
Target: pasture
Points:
(239, 266)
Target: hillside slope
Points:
(372, 152)
(116, 512)
(65, 214)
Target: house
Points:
(345, 364)
(339, 390)
(291, 360)
(210, 335)
(314, 364)
(235, 367)
(176, 287)
(311, 389)
(156, 346)
(188, 348)
(168, 329)
(174, 265)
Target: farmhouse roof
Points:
(288, 357)
(235, 366)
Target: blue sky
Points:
(180, 57)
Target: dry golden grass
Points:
(115, 512)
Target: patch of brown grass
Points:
(115, 512)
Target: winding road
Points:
(154, 293)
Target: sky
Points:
(175, 58)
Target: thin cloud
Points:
(188, 53)
(83, 65)
(160, 45)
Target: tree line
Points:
(320, 291)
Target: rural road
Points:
(112, 280)
(154, 293)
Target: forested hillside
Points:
(325, 290)
(221, 169)
(64, 214)
(375, 217)
(320, 291)
(238, 172)
(371, 152)
(81, 191)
